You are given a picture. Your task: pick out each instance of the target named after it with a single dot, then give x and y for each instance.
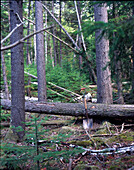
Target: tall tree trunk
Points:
(4, 76)
(17, 70)
(118, 73)
(54, 44)
(28, 54)
(35, 54)
(74, 56)
(78, 11)
(133, 63)
(60, 56)
(40, 53)
(46, 34)
(51, 55)
(104, 88)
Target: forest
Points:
(67, 85)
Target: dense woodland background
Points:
(81, 45)
(63, 66)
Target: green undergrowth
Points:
(54, 152)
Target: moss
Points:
(114, 167)
(81, 143)
(124, 137)
(85, 167)
(10, 136)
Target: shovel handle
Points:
(85, 103)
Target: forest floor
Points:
(64, 144)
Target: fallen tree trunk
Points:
(77, 109)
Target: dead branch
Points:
(61, 27)
(23, 39)
(61, 88)
(17, 26)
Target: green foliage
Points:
(21, 155)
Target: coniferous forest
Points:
(67, 85)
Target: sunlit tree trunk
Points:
(28, 61)
(60, 56)
(46, 34)
(34, 39)
(28, 54)
(79, 38)
(104, 88)
(54, 43)
(40, 53)
(4, 76)
(17, 70)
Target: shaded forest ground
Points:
(61, 144)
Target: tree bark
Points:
(104, 88)
(54, 43)
(118, 73)
(77, 109)
(42, 96)
(133, 63)
(17, 70)
(80, 37)
(28, 54)
(28, 61)
(60, 15)
(46, 34)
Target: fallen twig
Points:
(122, 127)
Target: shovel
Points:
(87, 123)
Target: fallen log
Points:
(77, 109)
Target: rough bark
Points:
(104, 88)
(40, 53)
(77, 109)
(133, 63)
(17, 70)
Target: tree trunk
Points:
(78, 12)
(46, 34)
(4, 76)
(51, 55)
(28, 54)
(40, 53)
(17, 70)
(118, 73)
(104, 88)
(54, 43)
(78, 109)
(35, 54)
(133, 63)
(60, 56)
